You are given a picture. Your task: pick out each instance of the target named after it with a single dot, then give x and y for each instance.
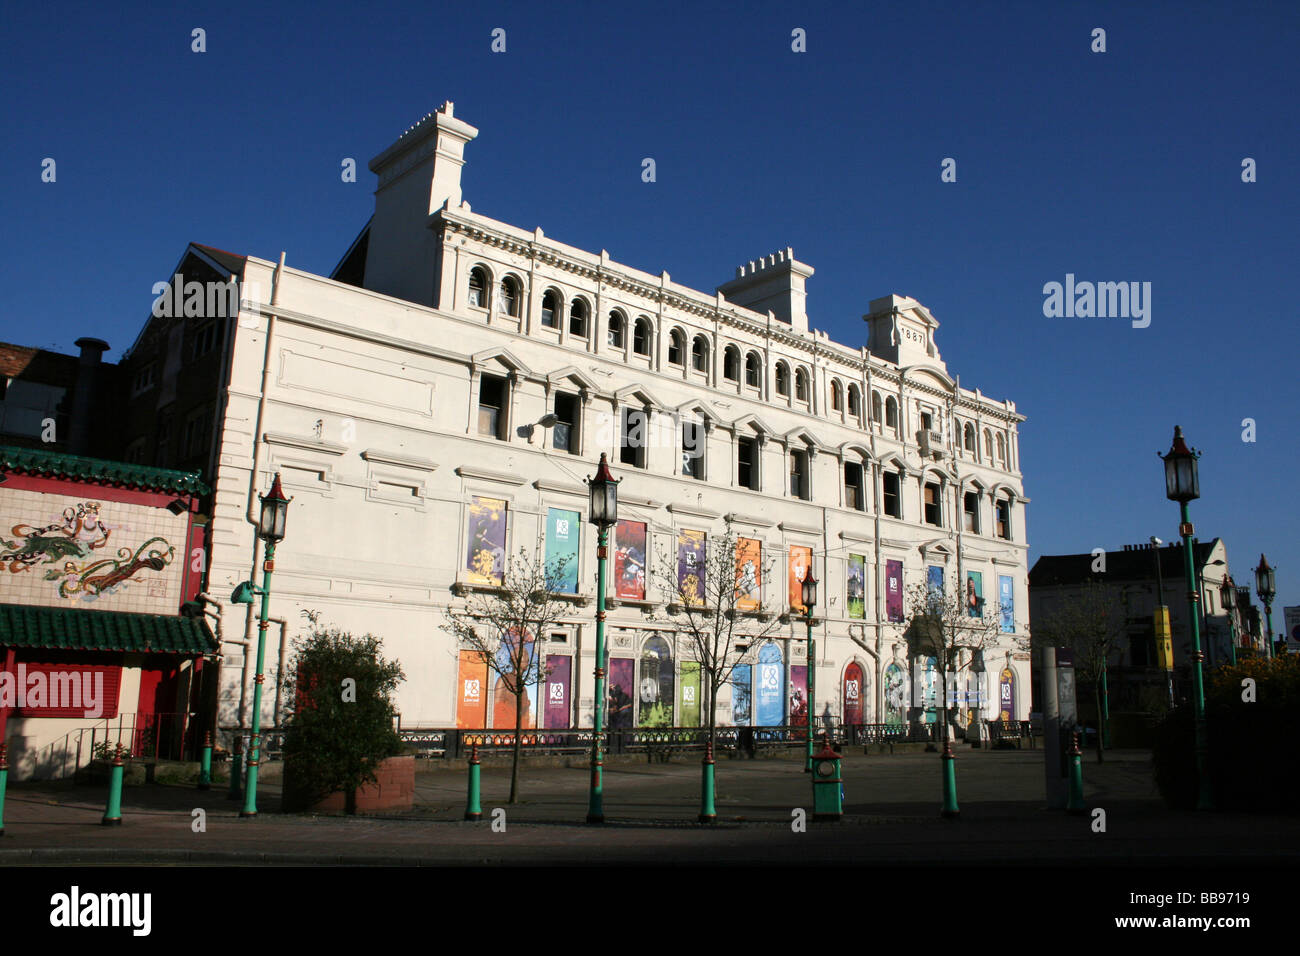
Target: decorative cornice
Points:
(790, 527)
(305, 443)
(560, 487)
(507, 478)
(737, 518)
(397, 458)
(693, 512)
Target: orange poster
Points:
(471, 702)
(800, 562)
(749, 574)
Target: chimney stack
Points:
(83, 398)
(774, 283)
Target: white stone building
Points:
(416, 379)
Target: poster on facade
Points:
(749, 570)
(770, 706)
(927, 691)
(798, 695)
(741, 694)
(1291, 622)
(619, 709)
(1007, 603)
(1007, 695)
(690, 566)
(934, 582)
(471, 704)
(854, 688)
(896, 696)
(894, 591)
(656, 691)
(509, 691)
(800, 562)
(975, 593)
(486, 558)
(557, 691)
(563, 532)
(690, 700)
(857, 590)
(629, 560)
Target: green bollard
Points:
(113, 813)
(1075, 804)
(205, 764)
(950, 809)
(707, 812)
(472, 809)
(236, 762)
(4, 780)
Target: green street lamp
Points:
(1266, 588)
(1182, 484)
(809, 597)
(603, 492)
(270, 528)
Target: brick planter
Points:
(394, 789)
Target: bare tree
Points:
(504, 626)
(709, 587)
(946, 625)
(1091, 623)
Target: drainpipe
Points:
(279, 675)
(242, 642)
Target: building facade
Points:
(434, 405)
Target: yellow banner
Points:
(1164, 639)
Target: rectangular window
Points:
(893, 499)
(971, 511)
(747, 463)
(853, 494)
(492, 392)
(564, 436)
(927, 421)
(933, 512)
(144, 380)
(632, 437)
(1004, 520)
(206, 339)
(693, 450)
(799, 475)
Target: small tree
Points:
(340, 713)
(1091, 623)
(709, 595)
(942, 626)
(503, 626)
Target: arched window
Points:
(876, 407)
(551, 309)
(837, 401)
(1002, 449)
(753, 369)
(968, 437)
(988, 444)
(855, 401)
(891, 412)
(578, 315)
(700, 354)
(641, 337)
(731, 364)
(478, 285)
(508, 296)
(782, 379)
(676, 347)
(801, 385)
(614, 335)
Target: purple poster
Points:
(557, 692)
(798, 695)
(894, 590)
(619, 714)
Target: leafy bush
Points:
(1248, 763)
(336, 737)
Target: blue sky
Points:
(1115, 166)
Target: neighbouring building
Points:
(60, 402)
(435, 403)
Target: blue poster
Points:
(1007, 603)
(934, 582)
(740, 694)
(770, 709)
(562, 534)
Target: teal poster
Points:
(770, 709)
(740, 694)
(974, 593)
(563, 530)
(1007, 603)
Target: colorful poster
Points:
(857, 591)
(927, 687)
(486, 558)
(690, 566)
(1007, 602)
(506, 686)
(896, 697)
(690, 702)
(770, 707)
(975, 593)
(894, 590)
(798, 695)
(471, 703)
(629, 560)
(563, 531)
(618, 713)
(557, 691)
(656, 697)
(1007, 695)
(934, 582)
(741, 694)
(854, 691)
(749, 571)
(800, 562)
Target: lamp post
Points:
(809, 602)
(603, 492)
(1182, 484)
(270, 528)
(1228, 594)
(1266, 588)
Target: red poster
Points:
(471, 702)
(853, 689)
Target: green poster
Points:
(563, 529)
(857, 586)
(690, 709)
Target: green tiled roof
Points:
(24, 625)
(36, 461)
